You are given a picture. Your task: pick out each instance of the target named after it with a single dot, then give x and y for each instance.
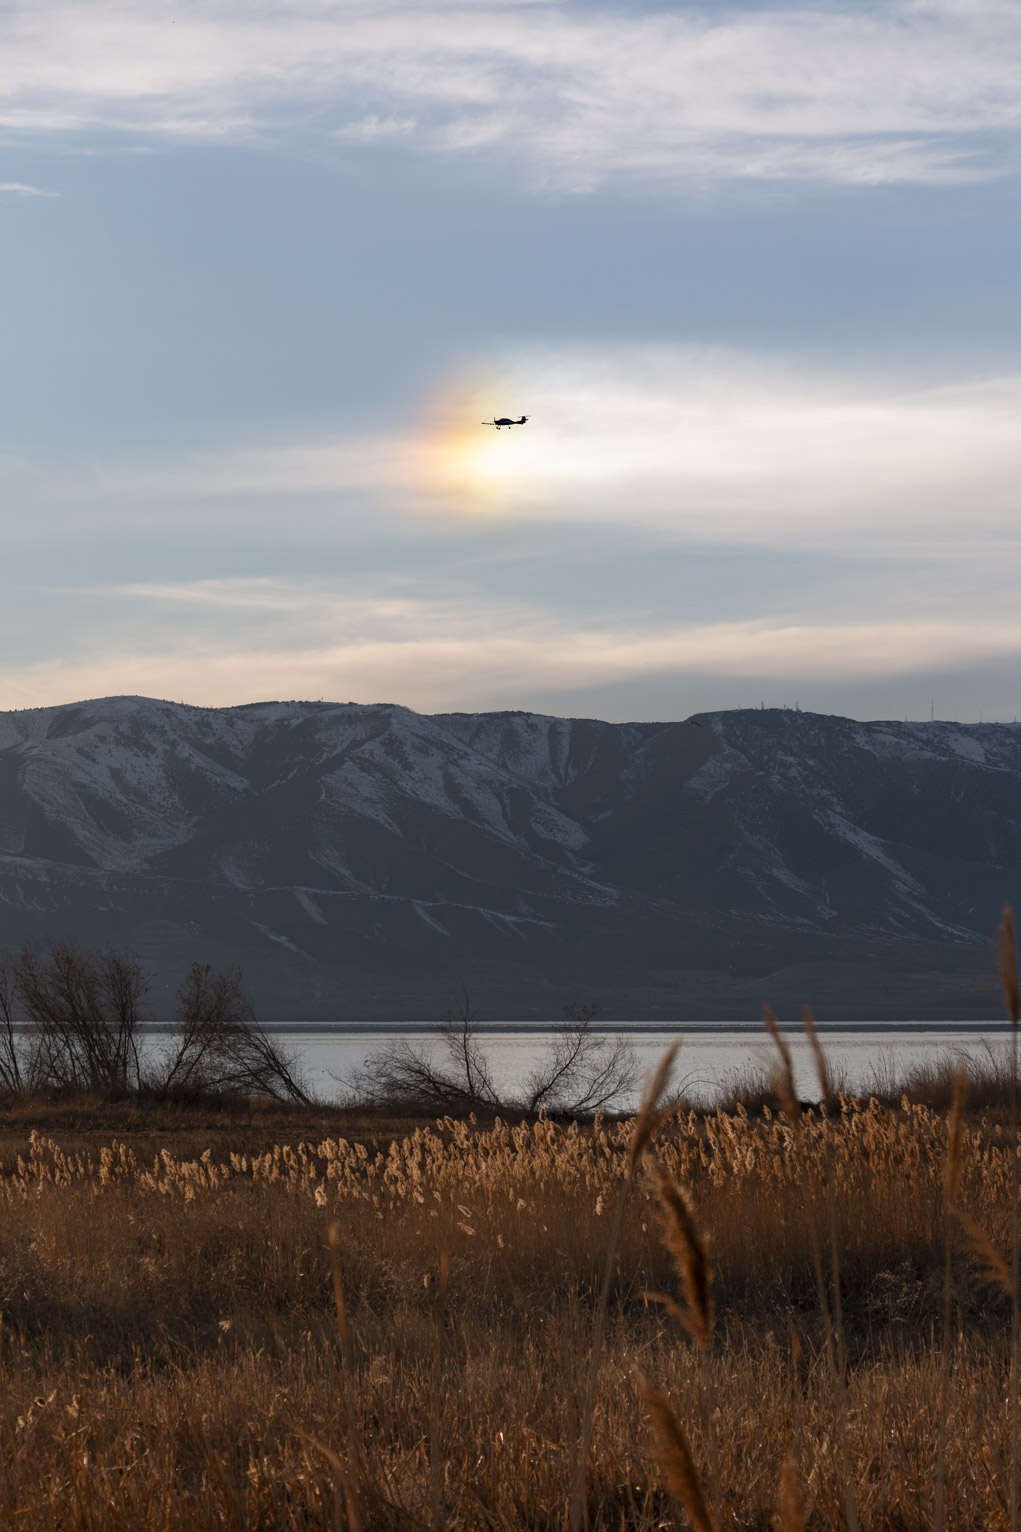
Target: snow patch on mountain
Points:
(715, 774)
(968, 747)
(872, 848)
(498, 813)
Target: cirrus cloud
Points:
(696, 444)
(22, 189)
(896, 92)
(439, 654)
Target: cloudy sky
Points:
(751, 269)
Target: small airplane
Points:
(505, 420)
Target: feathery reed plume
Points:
(951, 1182)
(783, 1072)
(673, 1455)
(649, 1117)
(435, 1398)
(822, 1068)
(955, 1135)
(648, 1120)
(338, 1293)
(685, 1243)
(825, 1087)
(791, 1515)
(348, 1479)
(836, 1353)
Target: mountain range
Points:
(366, 862)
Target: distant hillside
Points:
(359, 861)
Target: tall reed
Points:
(951, 1183)
(831, 1308)
(645, 1126)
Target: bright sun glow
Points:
(564, 450)
(695, 439)
(473, 468)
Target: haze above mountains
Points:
(361, 861)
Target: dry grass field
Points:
(287, 1319)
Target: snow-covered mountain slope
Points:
(358, 859)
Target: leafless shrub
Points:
(580, 1073)
(219, 1048)
(71, 1019)
(583, 1071)
(466, 1061)
(12, 1071)
(451, 1075)
(86, 1009)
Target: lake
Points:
(711, 1053)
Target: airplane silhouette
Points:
(505, 420)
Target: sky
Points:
(752, 271)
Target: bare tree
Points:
(220, 1047)
(584, 1071)
(581, 1071)
(11, 1068)
(452, 1075)
(87, 1009)
(467, 1063)
(72, 1018)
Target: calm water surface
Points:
(711, 1055)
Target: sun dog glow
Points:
(471, 469)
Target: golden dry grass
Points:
(170, 1354)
